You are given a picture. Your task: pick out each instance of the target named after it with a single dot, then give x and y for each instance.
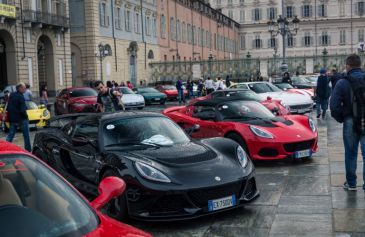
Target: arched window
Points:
(151, 55)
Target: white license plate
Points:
(218, 204)
(302, 111)
(157, 98)
(301, 154)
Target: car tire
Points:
(116, 208)
(237, 138)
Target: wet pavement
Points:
(302, 198)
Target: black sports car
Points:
(168, 175)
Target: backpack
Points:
(358, 105)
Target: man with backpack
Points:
(348, 107)
(108, 99)
(323, 92)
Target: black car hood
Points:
(177, 154)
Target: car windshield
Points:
(242, 94)
(169, 87)
(298, 80)
(40, 201)
(148, 90)
(311, 79)
(241, 86)
(31, 105)
(83, 92)
(284, 86)
(263, 88)
(246, 110)
(141, 131)
(125, 90)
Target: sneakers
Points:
(347, 187)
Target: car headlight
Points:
(151, 173)
(45, 113)
(312, 125)
(261, 132)
(242, 156)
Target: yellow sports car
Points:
(37, 116)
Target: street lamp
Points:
(283, 27)
(104, 51)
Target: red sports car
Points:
(170, 91)
(275, 106)
(254, 127)
(35, 201)
(76, 100)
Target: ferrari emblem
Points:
(217, 178)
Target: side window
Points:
(86, 130)
(204, 112)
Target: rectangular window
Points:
(202, 37)
(219, 2)
(189, 33)
(229, 2)
(128, 20)
(194, 36)
(154, 29)
(272, 43)
(118, 18)
(290, 12)
(342, 8)
(324, 39)
(242, 16)
(102, 15)
(178, 29)
(290, 42)
(342, 37)
(361, 35)
(184, 32)
(148, 25)
(307, 40)
(322, 10)
(242, 42)
(60, 71)
(172, 28)
(28, 35)
(360, 8)
(30, 71)
(137, 26)
(272, 13)
(230, 13)
(163, 26)
(307, 11)
(257, 42)
(257, 15)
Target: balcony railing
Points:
(46, 18)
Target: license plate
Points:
(157, 98)
(302, 111)
(218, 204)
(301, 154)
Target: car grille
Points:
(251, 189)
(170, 204)
(301, 107)
(268, 152)
(201, 197)
(298, 146)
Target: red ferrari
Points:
(76, 100)
(254, 127)
(35, 201)
(170, 91)
(275, 106)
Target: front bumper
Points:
(278, 150)
(301, 108)
(159, 205)
(134, 105)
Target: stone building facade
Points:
(35, 44)
(191, 30)
(335, 25)
(127, 29)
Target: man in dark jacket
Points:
(323, 92)
(335, 78)
(286, 78)
(341, 110)
(17, 112)
(180, 90)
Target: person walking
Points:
(343, 110)
(335, 77)
(129, 85)
(220, 84)
(228, 81)
(180, 90)
(28, 93)
(286, 78)
(108, 99)
(190, 88)
(18, 117)
(323, 92)
(43, 94)
(209, 85)
(200, 88)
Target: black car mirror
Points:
(195, 128)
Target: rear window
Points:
(83, 92)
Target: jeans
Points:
(181, 96)
(351, 142)
(321, 103)
(24, 125)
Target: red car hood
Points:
(89, 100)
(111, 228)
(170, 92)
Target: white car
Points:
(130, 99)
(297, 103)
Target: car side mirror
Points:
(195, 128)
(109, 188)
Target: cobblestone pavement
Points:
(304, 198)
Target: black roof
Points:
(116, 115)
(217, 101)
